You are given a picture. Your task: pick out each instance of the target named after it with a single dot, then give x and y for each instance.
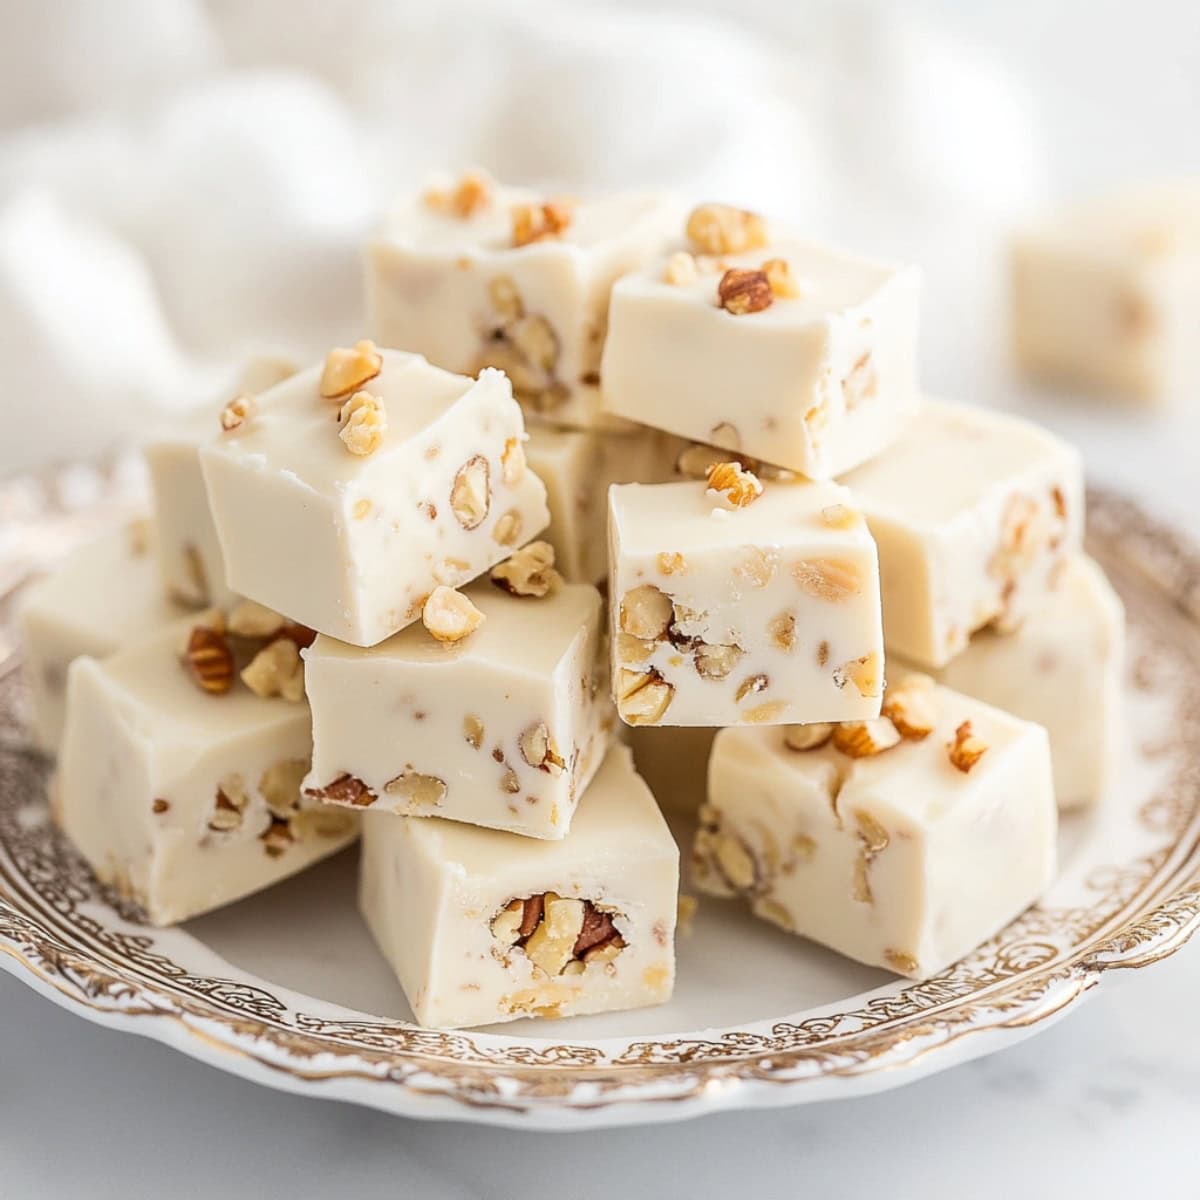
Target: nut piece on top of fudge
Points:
(741, 602)
(344, 495)
(751, 339)
(902, 842)
(494, 711)
(189, 553)
(179, 778)
(975, 514)
(1106, 296)
(102, 596)
(1062, 669)
(481, 927)
(472, 274)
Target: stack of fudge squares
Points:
(619, 506)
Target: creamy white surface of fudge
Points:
(482, 927)
(975, 513)
(898, 858)
(103, 595)
(345, 513)
(763, 614)
(818, 380)
(1106, 296)
(514, 279)
(184, 798)
(1062, 669)
(504, 728)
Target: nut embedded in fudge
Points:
(481, 927)
(747, 603)
(766, 345)
(104, 595)
(975, 514)
(503, 727)
(1062, 669)
(479, 275)
(352, 490)
(901, 850)
(180, 785)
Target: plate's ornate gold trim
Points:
(84, 943)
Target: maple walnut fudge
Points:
(1106, 296)
(179, 782)
(794, 353)
(742, 603)
(975, 514)
(477, 275)
(103, 595)
(503, 728)
(902, 852)
(1062, 669)
(346, 494)
(482, 927)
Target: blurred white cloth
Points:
(181, 183)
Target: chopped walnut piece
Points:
(277, 837)
(967, 748)
(752, 685)
(472, 194)
(229, 805)
(470, 494)
(473, 731)
(779, 275)
(237, 412)
(733, 860)
(723, 229)
(512, 462)
(506, 924)
(715, 662)
(347, 369)
(765, 714)
(865, 673)
(210, 660)
(645, 612)
(597, 930)
(529, 572)
(863, 739)
(861, 383)
(363, 423)
(538, 749)
(783, 631)
(449, 615)
(551, 945)
(671, 563)
(680, 269)
(632, 649)
(276, 670)
(345, 789)
(807, 737)
(831, 579)
(728, 482)
(741, 292)
(509, 782)
(534, 337)
(249, 619)
(280, 786)
(840, 516)
(901, 963)
(539, 222)
(507, 530)
(413, 788)
(757, 566)
(642, 696)
(911, 706)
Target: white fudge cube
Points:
(504, 728)
(818, 381)
(1106, 296)
(764, 614)
(461, 284)
(189, 553)
(482, 927)
(1062, 669)
(899, 859)
(347, 526)
(577, 466)
(104, 595)
(185, 799)
(974, 513)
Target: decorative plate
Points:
(286, 988)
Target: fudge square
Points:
(103, 595)
(903, 842)
(975, 513)
(1106, 296)
(189, 553)
(787, 351)
(1062, 669)
(481, 927)
(179, 784)
(766, 612)
(474, 275)
(504, 727)
(344, 495)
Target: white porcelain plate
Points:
(287, 988)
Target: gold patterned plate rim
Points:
(82, 946)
